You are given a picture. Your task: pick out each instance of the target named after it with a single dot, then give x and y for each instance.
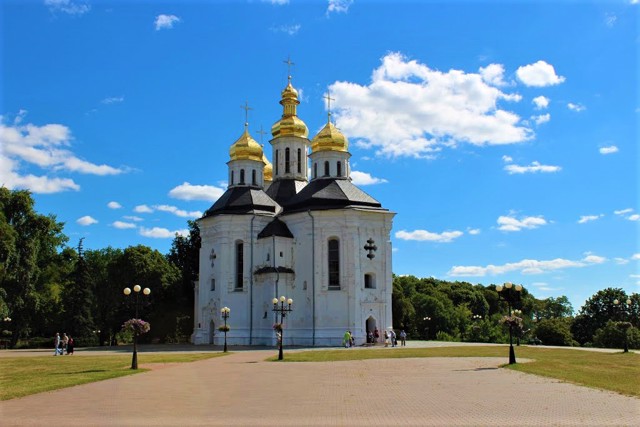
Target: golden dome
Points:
(329, 139)
(246, 148)
(290, 124)
(268, 169)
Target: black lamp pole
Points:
(127, 291)
(283, 310)
(225, 311)
(511, 294)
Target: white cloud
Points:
(493, 74)
(525, 266)
(114, 205)
(113, 100)
(635, 257)
(510, 223)
(539, 74)
(143, 209)
(165, 22)
(541, 102)
(507, 159)
(67, 6)
(86, 220)
(610, 19)
(473, 231)
(186, 191)
(339, 6)
(587, 218)
(162, 233)
(363, 178)
(532, 168)
(133, 218)
(542, 118)
(594, 259)
(276, 2)
(576, 107)
(287, 29)
(621, 261)
(409, 109)
(123, 225)
(608, 150)
(634, 217)
(178, 212)
(424, 235)
(44, 147)
(623, 211)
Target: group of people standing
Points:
(393, 338)
(63, 344)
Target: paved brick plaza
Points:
(243, 389)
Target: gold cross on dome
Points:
(329, 99)
(246, 109)
(261, 132)
(289, 65)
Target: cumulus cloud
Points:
(409, 109)
(510, 223)
(525, 266)
(165, 22)
(473, 231)
(621, 261)
(363, 178)
(587, 218)
(133, 218)
(86, 220)
(339, 6)
(162, 233)
(635, 257)
(287, 29)
(45, 148)
(541, 102)
(532, 168)
(187, 191)
(424, 235)
(493, 74)
(123, 225)
(539, 74)
(542, 118)
(634, 217)
(142, 209)
(623, 211)
(114, 205)
(67, 6)
(507, 159)
(576, 107)
(178, 212)
(608, 150)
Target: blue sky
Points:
(503, 134)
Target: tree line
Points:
(48, 286)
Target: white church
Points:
(297, 228)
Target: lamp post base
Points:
(134, 360)
(512, 355)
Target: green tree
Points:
(78, 301)
(554, 331)
(597, 311)
(612, 335)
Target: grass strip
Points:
(22, 376)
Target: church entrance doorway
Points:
(212, 331)
(370, 328)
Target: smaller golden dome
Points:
(329, 139)
(267, 172)
(290, 124)
(246, 148)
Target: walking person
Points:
(65, 343)
(386, 339)
(56, 344)
(392, 335)
(346, 339)
(403, 338)
(70, 345)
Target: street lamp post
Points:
(427, 319)
(225, 311)
(283, 310)
(510, 294)
(127, 292)
(626, 325)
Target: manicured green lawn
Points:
(22, 376)
(619, 372)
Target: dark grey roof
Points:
(284, 189)
(329, 193)
(243, 200)
(275, 228)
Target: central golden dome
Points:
(329, 139)
(290, 124)
(246, 148)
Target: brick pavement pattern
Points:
(242, 389)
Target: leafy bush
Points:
(613, 335)
(556, 331)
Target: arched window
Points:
(299, 160)
(326, 168)
(239, 266)
(315, 170)
(334, 264)
(231, 177)
(287, 160)
(339, 169)
(277, 163)
(253, 177)
(241, 176)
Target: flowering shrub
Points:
(277, 327)
(137, 326)
(224, 328)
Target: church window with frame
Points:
(277, 162)
(232, 177)
(338, 169)
(253, 177)
(287, 160)
(326, 168)
(315, 170)
(369, 281)
(213, 284)
(299, 160)
(334, 264)
(239, 282)
(241, 176)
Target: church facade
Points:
(297, 228)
